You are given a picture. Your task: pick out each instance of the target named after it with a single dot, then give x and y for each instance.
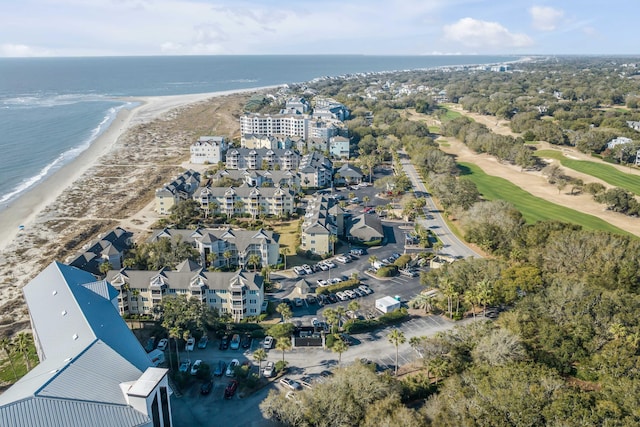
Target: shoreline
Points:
(24, 210)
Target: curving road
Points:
(433, 218)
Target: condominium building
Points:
(181, 188)
(92, 371)
(327, 108)
(208, 149)
(239, 294)
(214, 243)
(316, 171)
(241, 200)
(274, 124)
(271, 142)
(262, 158)
(323, 219)
(339, 147)
(258, 178)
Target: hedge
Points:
(347, 284)
(387, 271)
(355, 326)
(403, 260)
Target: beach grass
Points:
(607, 173)
(533, 208)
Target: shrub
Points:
(376, 242)
(281, 365)
(329, 340)
(387, 271)
(402, 261)
(355, 326)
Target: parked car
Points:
(323, 266)
(364, 288)
(230, 389)
(349, 293)
(307, 269)
(162, 344)
(358, 292)
(191, 343)
(206, 387)
(195, 367)
(246, 341)
(231, 369)
(342, 296)
(297, 302)
(235, 342)
(224, 342)
(269, 369)
(357, 252)
(408, 272)
(220, 368)
(333, 298)
(203, 342)
(305, 382)
(299, 270)
(330, 264)
(343, 259)
(311, 299)
(185, 365)
(288, 302)
(321, 282)
(291, 384)
(268, 342)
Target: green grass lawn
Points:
(533, 208)
(449, 115)
(607, 173)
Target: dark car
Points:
(224, 342)
(230, 389)
(246, 341)
(333, 297)
(206, 387)
(220, 368)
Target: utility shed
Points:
(387, 304)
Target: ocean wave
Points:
(66, 156)
(49, 100)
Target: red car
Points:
(230, 390)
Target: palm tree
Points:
(472, 296)
(448, 289)
(366, 199)
(211, 259)
(421, 301)
(339, 347)
(333, 239)
(7, 347)
(437, 247)
(285, 311)
(284, 344)
(484, 294)
(238, 205)
(227, 256)
(175, 333)
(439, 366)
(284, 252)
(331, 317)
(260, 356)
(23, 342)
(105, 267)
(340, 311)
(254, 259)
(396, 337)
(372, 259)
(353, 305)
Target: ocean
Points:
(51, 109)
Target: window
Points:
(212, 300)
(253, 292)
(253, 301)
(222, 291)
(145, 299)
(172, 291)
(253, 310)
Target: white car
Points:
(342, 296)
(231, 369)
(349, 293)
(335, 280)
(323, 266)
(162, 345)
(298, 270)
(307, 269)
(268, 342)
(321, 282)
(289, 383)
(343, 259)
(364, 288)
(195, 367)
(330, 264)
(269, 370)
(191, 342)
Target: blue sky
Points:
(374, 27)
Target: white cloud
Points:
(545, 18)
(475, 33)
(21, 50)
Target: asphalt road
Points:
(433, 218)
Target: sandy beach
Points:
(111, 183)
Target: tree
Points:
(353, 305)
(175, 333)
(365, 200)
(185, 212)
(285, 311)
(372, 259)
(7, 346)
(23, 342)
(331, 317)
(333, 239)
(227, 256)
(260, 355)
(254, 260)
(396, 337)
(339, 347)
(105, 267)
(211, 260)
(284, 344)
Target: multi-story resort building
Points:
(208, 149)
(327, 108)
(274, 124)
(241, 200)
(239, 294)
(238, 245)
(259, 178)
(262, 158)
(181, 188)
(323, 219)
(271, 142)
(109, 247)
(339, 147)
(316, 171)
(92, 371)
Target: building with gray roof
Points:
(255, 201)
(239, 294)
(109, 247)
(262, 158)
(324, 218)
(92, 371)
(258, 178)
(241, 244)
(181, 188)
(316, 171)
(366, 228)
